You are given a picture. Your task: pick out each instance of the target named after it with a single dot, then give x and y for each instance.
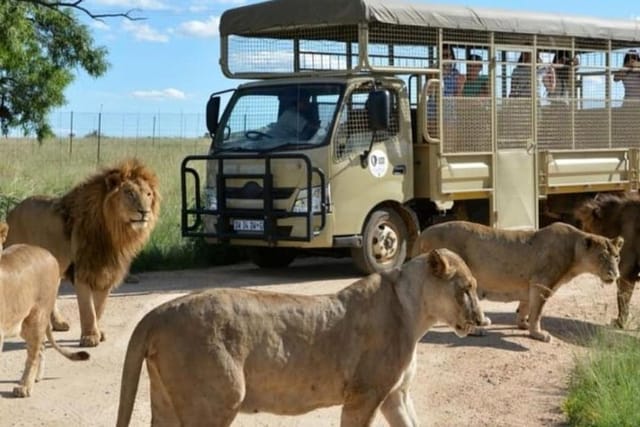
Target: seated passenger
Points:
(630, 75)
(521, 77)
(475, 84)
(563, 61)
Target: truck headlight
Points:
(300, 205)
(211, 198)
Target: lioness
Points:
(525, 266)
(215, 353)
(29, 280)
(611, 215)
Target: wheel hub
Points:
(385, 243)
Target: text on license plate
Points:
(248, 225)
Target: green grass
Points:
(604, 386)
(52, 168)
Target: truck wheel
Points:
(384, 243)
(265, 257)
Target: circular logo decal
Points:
(378, 163)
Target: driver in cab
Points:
(296, 119)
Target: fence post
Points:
(99, 132)
(71, 135)
(153, 135)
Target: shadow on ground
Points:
(572, 331)
(239, 275)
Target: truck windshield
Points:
(287, 117)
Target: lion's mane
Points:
(103, 246)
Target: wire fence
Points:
(70, 124)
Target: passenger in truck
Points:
(562, 62)
(630, 76)
(521, 77)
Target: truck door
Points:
(359, 185)
(516, 185)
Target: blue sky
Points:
(168, 63)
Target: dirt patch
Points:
(501, 379)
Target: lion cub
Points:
(29, 280)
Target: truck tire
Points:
(266, 257)
(384, 243)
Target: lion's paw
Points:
(523, 324)
(478, 332)
(618, 323)
(541, 336)
(90, 340)
(486, 321)
(21, 391)
(60, 325)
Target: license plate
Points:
(255, 225)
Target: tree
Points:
(42, 43)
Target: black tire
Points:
(265, 257)
(384, 243)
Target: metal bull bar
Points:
(224, 230)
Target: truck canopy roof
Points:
(272, 17)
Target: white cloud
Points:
(135, 4)
(197, 6)
(99, 25)
(144, 32)
(202, 29)
(159, 94)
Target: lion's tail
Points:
(136, 352)
(71, 355)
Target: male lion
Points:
(526, 266)
(611, 215)
(215, 353)
(94, 231)
(29, 280)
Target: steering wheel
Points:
(256, 134)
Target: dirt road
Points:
(501, 379)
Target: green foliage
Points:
(6, 203)
(604, 386)
(40, 49)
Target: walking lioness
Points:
(215, 353)
(525, 266)
(29, 280)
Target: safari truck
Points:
(389, 140)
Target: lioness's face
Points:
(460, 305)
(601, 256)
(135, 200)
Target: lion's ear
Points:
(596, 211)
(113, 180)
(438, 264)
(4, 231)
(618, 242)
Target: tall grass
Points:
(53, 167)
(604, 385)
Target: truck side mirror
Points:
(379, 111)
(379, 108)
(213, 110)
